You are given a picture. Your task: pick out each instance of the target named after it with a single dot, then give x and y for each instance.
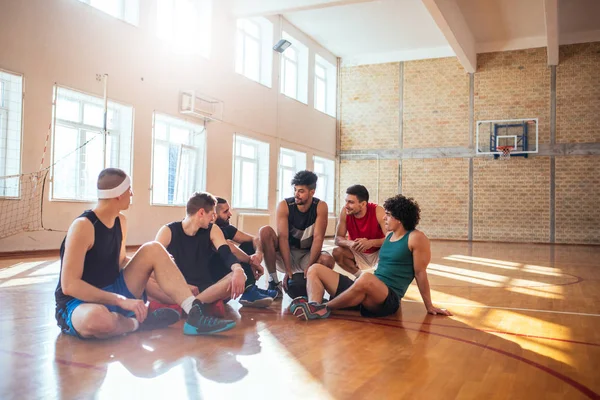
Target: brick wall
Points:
(436, 104)
(370, 106)
(578, 94)
(441, 187)
(365, 172)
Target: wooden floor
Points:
(526, 326)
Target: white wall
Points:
(68, 42)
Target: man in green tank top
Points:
(404, 256)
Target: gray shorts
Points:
(299, 258)
(365, 261)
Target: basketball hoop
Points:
(505, 151)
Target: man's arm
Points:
(238, 281)
(123, 259)
(243, 237)
(418, 243)
(364, 244)
(319, 233)
(164, 236)
(282, 236)
(342, 231)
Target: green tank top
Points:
(396, 268)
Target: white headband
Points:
(115, 192)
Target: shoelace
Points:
(210, 321)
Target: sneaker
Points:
(199, 323)
(252, 297)
(309, 311)
(216, 309)
(155, 305)
(277, 287)
(268, 292)
(159, 319)
(295, 305)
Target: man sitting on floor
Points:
(101, 291)
(298, 243)
(404, 256)
(363, 223)
(191, 242)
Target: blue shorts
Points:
(63, 314)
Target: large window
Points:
(126, 10)
(254, 55)
(294, 70)
(179, 160)
(325, 86)
(78, 150)
(11, 107)
(325, 170)
(290, 162)
(185, 25)
(250, 173)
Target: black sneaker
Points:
(276, 287)
(159, 319)
(199, 323)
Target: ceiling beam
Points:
(551, 19)
(451, 22)
(261, 8)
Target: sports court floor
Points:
(526, 325)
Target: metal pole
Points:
(105, 122)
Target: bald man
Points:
(101, 291)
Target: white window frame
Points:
(286, 62)
(294, 169)
(330, 83)
(6, 111)
(129, 11)
(263, 42)
(189, 28)
(300, 64)
(317, 159)
(198, 178)
(323, 80)
(83, 129)
(237, 181)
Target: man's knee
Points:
(365, 282)
(266, 233)
(338, 253)
(326, 260)
(98, 323)
(152, 248)
(314, 271)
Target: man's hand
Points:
(138, 307)
(238, 282)
(438, 311)
(257, 269)
(361, 245)
(287, 276)
(194, 289)
(256, 258)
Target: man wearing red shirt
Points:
(363, 224)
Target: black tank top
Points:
(101, 263)
(192, 254)
(301, 225)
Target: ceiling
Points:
(376, 31)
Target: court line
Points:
(577, 385)
(508, 308)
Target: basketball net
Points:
(505, 152)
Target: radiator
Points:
(251, 223)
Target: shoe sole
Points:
(294, 306)
(262, 303)
(193, 331)
(307, 314)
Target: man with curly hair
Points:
(404, 256)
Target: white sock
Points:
(136, 324)
(358, 273)
(274, 277)
(187, 304)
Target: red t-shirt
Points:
(366, 227)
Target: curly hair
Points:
(404, 209)
(305, 178)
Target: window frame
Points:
(5, 111)
(293, 153)
(258, 41)
(247, 140)
(324, 81)
(320, 175)
(284, 70)
(122, 12)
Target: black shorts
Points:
(390, 305)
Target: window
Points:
(185, 25)
(325, 170)
(325, 86)
(254, 56)
(179, 160)
(250, 173)
(126, 10)
(78, 149)
(294, 70)
(290, 162)
(11, 108)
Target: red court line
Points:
(577, 385)
(56, 360)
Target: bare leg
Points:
(96, 321)
(270, 244)
(367, 290)
(219, 291)
(326, 260)
(321, 278)
(156, 293)
(152, 257)
(345, 259)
